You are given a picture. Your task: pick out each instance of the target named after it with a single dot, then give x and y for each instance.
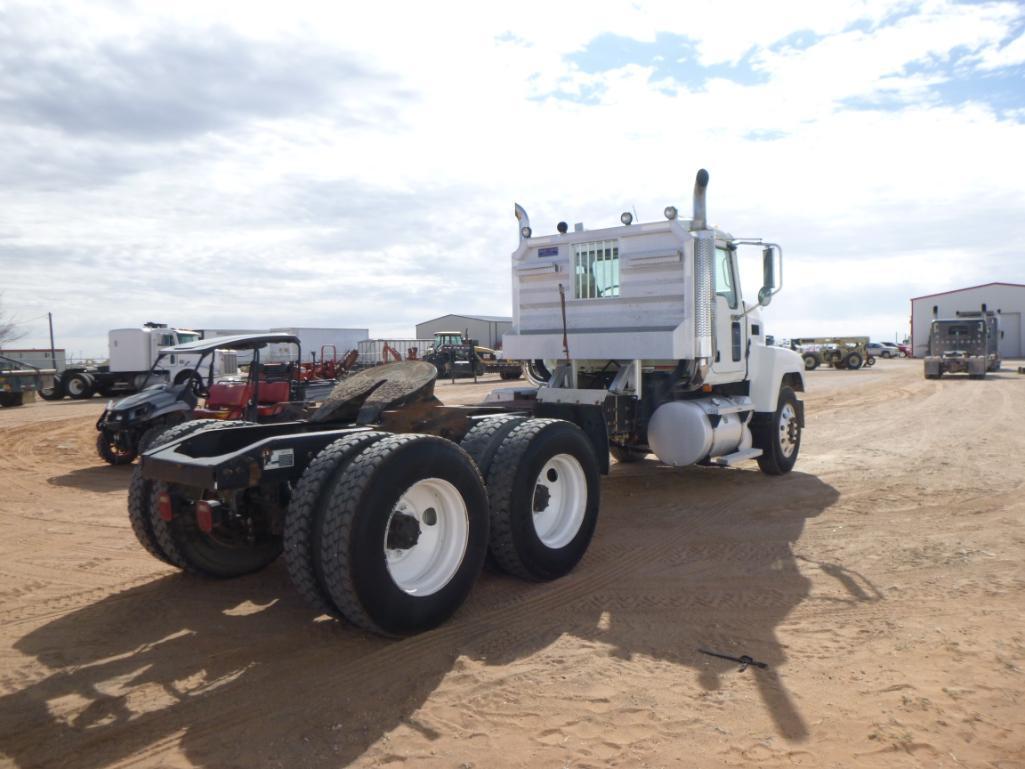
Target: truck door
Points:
(729, 330)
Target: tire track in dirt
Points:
(723, 557)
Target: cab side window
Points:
(725, 283)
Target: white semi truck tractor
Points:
(385, 502)
(648, 322)
(132, 353)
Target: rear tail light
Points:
(204, 517)
(164, 506)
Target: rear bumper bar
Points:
(240, 457)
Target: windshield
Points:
(960, 330)
(184, 337)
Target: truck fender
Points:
(771, 369)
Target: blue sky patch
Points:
(670, 56)
(867, 25)
(801, 40)
(958, 81)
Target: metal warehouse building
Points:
(1007, 299)
(486, 329)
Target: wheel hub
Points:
(542, 498)
(789, 430)
(403, 532)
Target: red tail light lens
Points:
(164, 506)
(204, 517)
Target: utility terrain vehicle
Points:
(264, 394)
(385, 502)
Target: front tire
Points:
(544, 495)
(114, 452)
(853, 361)
(811, 362)
(778, 435)
(404, 534)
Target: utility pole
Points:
(53, 352)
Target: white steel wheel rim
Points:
(444, 531)
(559, 501)
(787, 425)
(75, 387)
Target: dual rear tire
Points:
(79, 386)
(389, 532)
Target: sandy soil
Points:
(882, 582)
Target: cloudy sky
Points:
(339, 164)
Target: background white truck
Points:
(132, 352)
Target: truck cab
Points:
(639, 316)
(968, 343)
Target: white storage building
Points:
(486, 329)
(1006, 299)
(39, 358)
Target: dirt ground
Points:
(881, 581)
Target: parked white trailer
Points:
(317, 342)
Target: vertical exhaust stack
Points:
(704, 264)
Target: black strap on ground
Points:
(744, 660)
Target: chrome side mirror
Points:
(768, 276)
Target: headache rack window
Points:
(596, 266)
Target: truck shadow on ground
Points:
(241, 673)
(99, 478)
